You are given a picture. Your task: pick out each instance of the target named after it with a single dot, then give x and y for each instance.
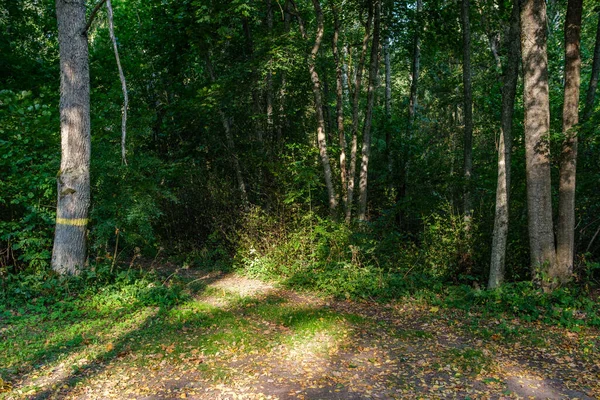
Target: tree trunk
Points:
(339, 103)
(321, 136)
(565, 230)
(537, 137)
(591, 91)
(509, 90)
(388, 112)
(69, 252)
(355, 115)
(230, 143)
(366, 147)
(269, 74)
(468, 112)
(414, 76)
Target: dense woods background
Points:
(249, 120)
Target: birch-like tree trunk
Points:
(591, 91)
(565, 230)
(355, 116)
(509, 90)
(366, 147)
(339, 105)
(73, 182)
(321, 135)
(468, 112)
(537, 137)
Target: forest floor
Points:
(240, 338)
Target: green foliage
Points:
(29, 144)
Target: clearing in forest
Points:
(239, 338)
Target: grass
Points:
(88, 329)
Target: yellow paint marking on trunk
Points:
(72, 221)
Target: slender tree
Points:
(339, 92)
(537, 136)
(468, 110)
(69, 252)
(366, 147)
(509, 90)
(321, 136)
(565, 232)
(355, 114)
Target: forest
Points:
(264, 198)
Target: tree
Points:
(591, 91)
(366, 147)
(565, 232)
(468, 110)
(537, 136)
(509, 90)
(73, 182)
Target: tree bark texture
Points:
(537, 137)
(339, 103)
(468, 111)
(591, 91)
(321, 135)
(355, 115)
(73, 183)
(565, 230)
(366, 147)
(509, 90)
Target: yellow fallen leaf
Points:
(434, 309)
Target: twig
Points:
(92, 16)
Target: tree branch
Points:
(93, 16)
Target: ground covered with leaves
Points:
(237, 338)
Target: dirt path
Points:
(323, 349)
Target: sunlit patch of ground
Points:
(245, 339)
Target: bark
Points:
(388, 110)
(565, 230)
(468, 111)
(591, 91)
(416, 62)
(355, 114)
(269, 74)
(366, 147)
(339, 102)
(123, 82)
(230, 143)
(73, 183)
(321, 136)
(509, 90)
(537, 137)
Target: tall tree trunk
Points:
(416, 62)
(339, 102)
(230, 143)
(591, 91)
(565, 230)
(468, 111)
(366, 147)
(269, 74)
(355, 115)
(321, 136)
(509, 90)
(537, 137)
(388, 111)
(73, 183)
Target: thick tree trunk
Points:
(537, 137)
(565, 230)
(339, 103)
(230, 143)
(355, 116)
(591, 91)
(69, 252)
(468, 112)
(509, 90)
(321, 136)
(366, 147)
